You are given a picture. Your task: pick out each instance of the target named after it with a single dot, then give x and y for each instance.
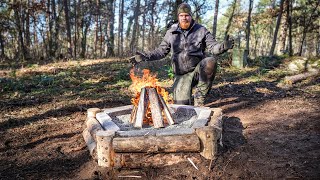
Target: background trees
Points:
(43, 30)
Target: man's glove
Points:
(228, 43)
(139, 57)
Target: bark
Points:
(68, 27)
(133, 42)
(284, 28)
(274, 41)
(247, 50)
(155, 107)
(85, 23)
(97, 17)
(141, 111)
(289, 14)
(22, 53)
(110, 29)
(2, 46)
(75, 28)
(215, 19)
(157, 144)
(120, 28)
(27, 31)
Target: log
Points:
(299, 77)
(156, 144)
(155, 108)
(134, 133)
(209, 141)
(91, 112)
(93, 126)
(91, 144)
(138, 160)
(141, 111)
(104, 148)
(166, 110)
(106, 122)
(216, 118)
(133, 115)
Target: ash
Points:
(184, 118)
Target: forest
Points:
(62, 59)
(40, 31)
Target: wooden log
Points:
(216, 118)
(104, 148)
(91, 112)
(155, 108)
(166, 110)
(90, 142)
(138, 160)
(93, 126)
(117, 111)
(299, 77)
(106, 122)
(209, 141)
(133, 115)
(141, 111)
(156, 144)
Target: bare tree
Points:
(110, 28)
(120, 28)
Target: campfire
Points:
(150, 101)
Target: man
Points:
(188, 40)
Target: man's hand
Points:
(228, 43)
(134, 60)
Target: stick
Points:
(192, 163)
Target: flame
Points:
(147, 80)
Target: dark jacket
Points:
(188, 48)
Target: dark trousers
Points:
(201, 78)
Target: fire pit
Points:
(115, 142)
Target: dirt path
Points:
(269, 133)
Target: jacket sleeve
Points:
(212, 45)
(162, 50)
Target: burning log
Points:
(166, 111)
(155, 108)
(141, 110)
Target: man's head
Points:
(184, 15)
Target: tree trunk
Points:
(305, 28)
(110, 31)
(215, 19)
(67, 18)
(2, 55)
(17, 14)
(120, 27)
(27, 31)
(234, 5)
(289, 14)
(75, 28)
(284, 28)
(247, 50)
(134, 38)
(273, 46)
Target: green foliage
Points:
(169, 71)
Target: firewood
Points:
(141, 110)
(93, 126)
(166, 110)
(133, 115)
(155, 144)
(155, 108)
(91, 144)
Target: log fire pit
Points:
(115, 142)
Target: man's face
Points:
(184, 20)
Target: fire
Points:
(147, 80)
